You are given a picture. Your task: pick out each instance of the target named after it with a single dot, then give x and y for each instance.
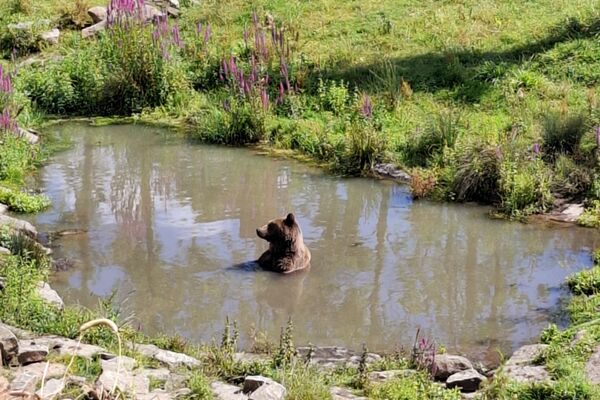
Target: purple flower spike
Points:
(198, 28)
(598, 136)
(207, 34)
(366, 108)
(264, 98)
(536, 148)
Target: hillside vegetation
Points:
(491, 101)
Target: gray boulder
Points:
(97, 14)
(526, 355)
(49, 295)
(467, 381)
(93, 30)
(51, 37)
(261, 388)
(225, 391)
(592, 367)
(446, 365)
(9, 345)
(51, 389)
(527, 373)
(31, 353)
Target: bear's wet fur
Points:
(287, 252)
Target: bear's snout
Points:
(260, 233)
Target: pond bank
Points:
(524, 369)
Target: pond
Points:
(166, 221)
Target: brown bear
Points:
(287, 252)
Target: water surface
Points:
(166, 220)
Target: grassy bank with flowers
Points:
(492, 102)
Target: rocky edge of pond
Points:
(29, 373)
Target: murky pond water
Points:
(166, 221)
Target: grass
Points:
(448, 83)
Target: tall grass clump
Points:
(562, 132)
(428, 146)
(525, 187)
(477, 173)
(365, 142)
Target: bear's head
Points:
(281, 231)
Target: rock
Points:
(25, 383)
(21, 26)
(31, 353)
(225, 391)
(70, 347)
(151, 13)
(526, 373)
(2, 286)
(125, 381)
(173, 12)
(579, 336)
(383, 376)
(28, 135)
(338, 393)
(9, 345)
(4, 251)
(467, 381)
(174, 3)
(170, 358)
(592, 367)
(51, 370)
(155, 395)
(19, 225)
(97, 14)
(182, 393)
(251, 383)
(390, 171)
(51, 37)
(526, 355)
(49, 295)
(94, 29)
(446, 365)
(332, 356)
(272, 391)
(160, 374)
(3, 387)
(51, 389)
(3, 208)
(122, 363)
(261, 388)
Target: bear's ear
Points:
(290, 220)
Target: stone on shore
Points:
(338, 393)
(9, 345)
(97, 14)
(31, 353)
(527, 373)
(333, 356)
(94, 29)
(526, 355)
(49, 295)
(446, 365)
(50, 37)
(169, 358)
(51, 389)
(261, 388)
(225, 391)
(467, 381)
(592, 367)
(19, 225)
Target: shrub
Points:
(477, 173)
(418, 386)
(23, 202)
(334, 96)
(428, 146)
(591, 216)
(16, 157)
(22, 37)
(364, 145)
(585, 282)
(562, 133)
(525, 189)
(51, 90)
(570, 180)
(422, 183)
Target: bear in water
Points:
(287, 252)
